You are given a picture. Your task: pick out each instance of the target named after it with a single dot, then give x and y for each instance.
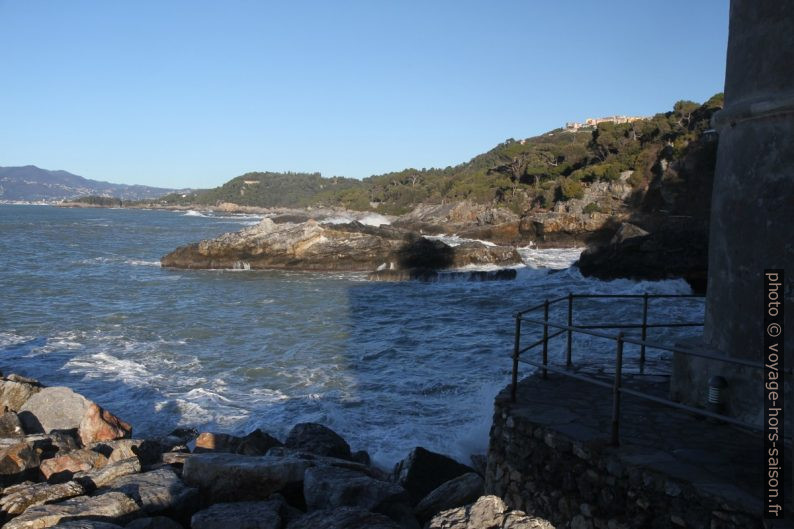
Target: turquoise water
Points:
(84, 303)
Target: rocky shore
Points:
(67, 462)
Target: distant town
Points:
(593, 122)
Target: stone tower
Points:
(752, 215)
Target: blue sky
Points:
(191, 94)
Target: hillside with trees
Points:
(656, 156)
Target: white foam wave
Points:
(193, 213)
(454, 240)
(370, 219)
(551, 258)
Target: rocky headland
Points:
(67, 462)
(389, 252)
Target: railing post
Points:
(616, 391)
(568, 362)
(545, 337)
(644, 331)
(514, 384)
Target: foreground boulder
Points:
(10, 425)
(113, 506)
(454, 493)
(62, 468)
(231, 477)
(19, 497)
(54, 408)
(240, 515)
(98, 424)
(256, 443)
(343, 518)
(158, 492)
(488, 512)
(319, 440)
(423, 470)
(332, 487)
(15, 391)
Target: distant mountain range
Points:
(31, 183)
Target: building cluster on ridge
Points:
(593, 122)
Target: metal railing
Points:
(619, 339)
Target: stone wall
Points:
(591, 485)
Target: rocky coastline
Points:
(67, 462)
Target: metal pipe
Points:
(644, 331)
(616, 391)
(537, 343)
(545, 337)
(514, 385)
(568, 362)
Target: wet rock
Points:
(216, 442)
(423, 470)
(257, 443)
(62, 468)
(330, 487)
(113, 506)
(318, 439)
(158, 491)
(362, 456)
(454, 493)
(55, 408)
(240, 515)
(178, 437)
(673, 252)
(233, 477)
(627, 231)
(15, 391)
(98, 424)
(343, 518)
(108, 474)
(18, 498)
(155, 522)
(479, 462)
(10, 425)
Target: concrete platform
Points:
(673, 469)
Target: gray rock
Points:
(147, 451)
(10, 425)
(257, 443)
(488, 512)
(18, 498)
(86, 524)
(14, 393)
(156, 522)
(454, 493)
(108, 474)
(328, 487)
(317, 439)
(158, 491)
(56, 408)
(423, 471)
(113, 506)
(240, 515)
(519, 520)
(234, 477)
(343, 518)
(627, 231)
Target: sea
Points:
(84, 303)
